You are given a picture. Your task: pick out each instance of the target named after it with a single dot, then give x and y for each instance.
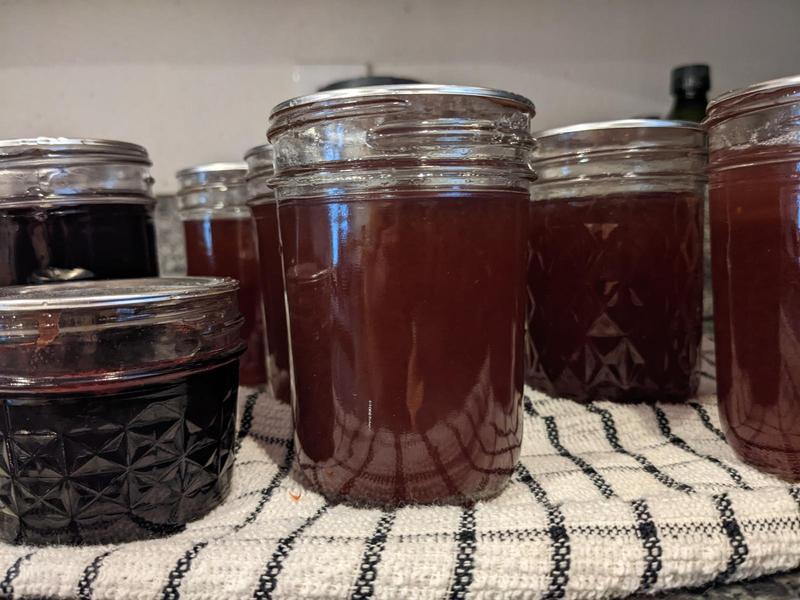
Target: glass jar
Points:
(615, 279)
(221, 241)
(265, 214)
(75, 209)
(754, 191)
(119, 407)
(401, 213)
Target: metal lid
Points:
(757, 88)
(234, 168)
(406, 90)
(115, 293)
(60, 146)
(618, 124)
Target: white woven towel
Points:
(608, 500)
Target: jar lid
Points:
(57, 148)
(419, 89)
(753, 97)
(101, 332)
(231, 168)
(213, 187)
(113, 293)
(260, 169)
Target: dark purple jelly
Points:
(119, 407)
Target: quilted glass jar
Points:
(119, 407)
(615, 278)
(75, 209)
(754, 193)
(221, 241)
(265, 214)
(402, 222)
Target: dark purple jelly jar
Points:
(75, 209)
(119, 407)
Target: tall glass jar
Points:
(615, 278)
(265, 214)
(221, 241)
(75, 209)
(402, 213)
(754, 169)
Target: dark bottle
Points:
(689, 85)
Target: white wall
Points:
(193, 80)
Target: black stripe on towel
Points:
(246, 422)
(648, 533)
(730, 526)
(464, 571)
(610, 429)
(171, 590)
(365, 584)
(268, 580)
(90, 573)
(7, 585)
(559, 538)
(666, 431)
(552, 435)
(706, 419)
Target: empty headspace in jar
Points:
(213, 189)
(69, 332)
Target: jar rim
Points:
(14, 149)
(265, 148)
(617, 124)
(415, 89)
(114, 293)
(233, 168)
(755, 88)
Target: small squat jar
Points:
(265, 213)
(754, 192)
(119, 407)
(75, 209)
(401, 213)
(221, 241)
(615, 279)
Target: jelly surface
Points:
(615, 296)
(85, 241)
(755, 235)
(95, 466)
(227, 248)
(272, 287)
(406, 319)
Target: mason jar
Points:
(402, 220)
(75, 209)
(221, 241)
(754, 191)
(615, 279)
(265, 214)
(118, 403)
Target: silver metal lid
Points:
(406, 90)
(618, 124)
(233, 168)
(114, 293)
(756, 88)
(59, 146)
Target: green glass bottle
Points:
(689, 86)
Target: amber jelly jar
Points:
(119, 407)
(261, 200)
(402, 220)
(73, 209)
(754, 192)
(615, 278)
(221, 241)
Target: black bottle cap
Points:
(691, 79)
(365, 82)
